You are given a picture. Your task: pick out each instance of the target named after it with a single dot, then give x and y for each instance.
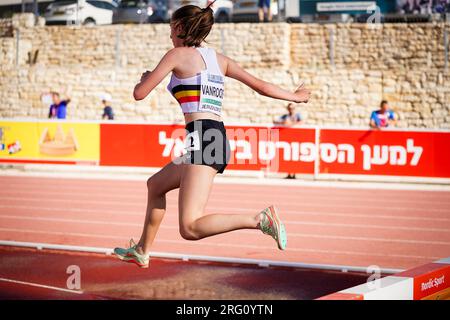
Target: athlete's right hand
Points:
(302, 94)
(145, 75)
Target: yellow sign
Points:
(67, 141)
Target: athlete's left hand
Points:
(302, 93)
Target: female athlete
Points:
(197, 83)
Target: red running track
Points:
(354, 227)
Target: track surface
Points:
(104, 277)
(356, 227)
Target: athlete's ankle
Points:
(258, 218)
(140, 249)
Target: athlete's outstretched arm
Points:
(263, 87)
(150, 80)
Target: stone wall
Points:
(349, 67)
(374, 47)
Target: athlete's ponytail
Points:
(194, 23)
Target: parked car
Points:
(141, 11)
(223, 9)
(10, 7)
(86, 12)
(247, 10)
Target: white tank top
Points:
(202, 92)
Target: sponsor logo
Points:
(215, 78)
(432, 283)
(341, 153)
(210, 107)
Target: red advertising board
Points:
(319, 151)
(135, 144)
(274, 149)
(397, 153)
(293, 150)
(252, 147)
(429, 279)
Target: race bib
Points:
(211, 92)
(192, 141)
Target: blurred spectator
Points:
(423, 6)
(289, 119)
(442, 6)
(52, 112)
(58, 109)
(264, 4)
(426, 6)
(382, 117)
(411, 6)
(108, 113)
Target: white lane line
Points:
(83, 192)
(425, 185)
(101, 222)
(56, 185)
(365, 226)
(163, 226)
(295, 222)
(31, 284)
(287, 222)
(444, 243)
(330, 252)
(371, 225)
(174, 206)
(57, 233)
(227, 201)
(185, 243)
(111, 186)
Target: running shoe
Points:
(131, 255)
(271, 224)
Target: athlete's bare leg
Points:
(168, 178)
(195, 187)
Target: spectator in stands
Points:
(411, 6)
(383, 117)
(52, 112)
(58, 109)
(442, 6)
(426, 6)
(108, 113)
(262, 6)
(289, 119)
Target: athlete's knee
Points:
(150, 183)
(188, 232)
(152, 187)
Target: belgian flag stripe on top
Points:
(186, 93)
(184, 87)
(189, 99)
